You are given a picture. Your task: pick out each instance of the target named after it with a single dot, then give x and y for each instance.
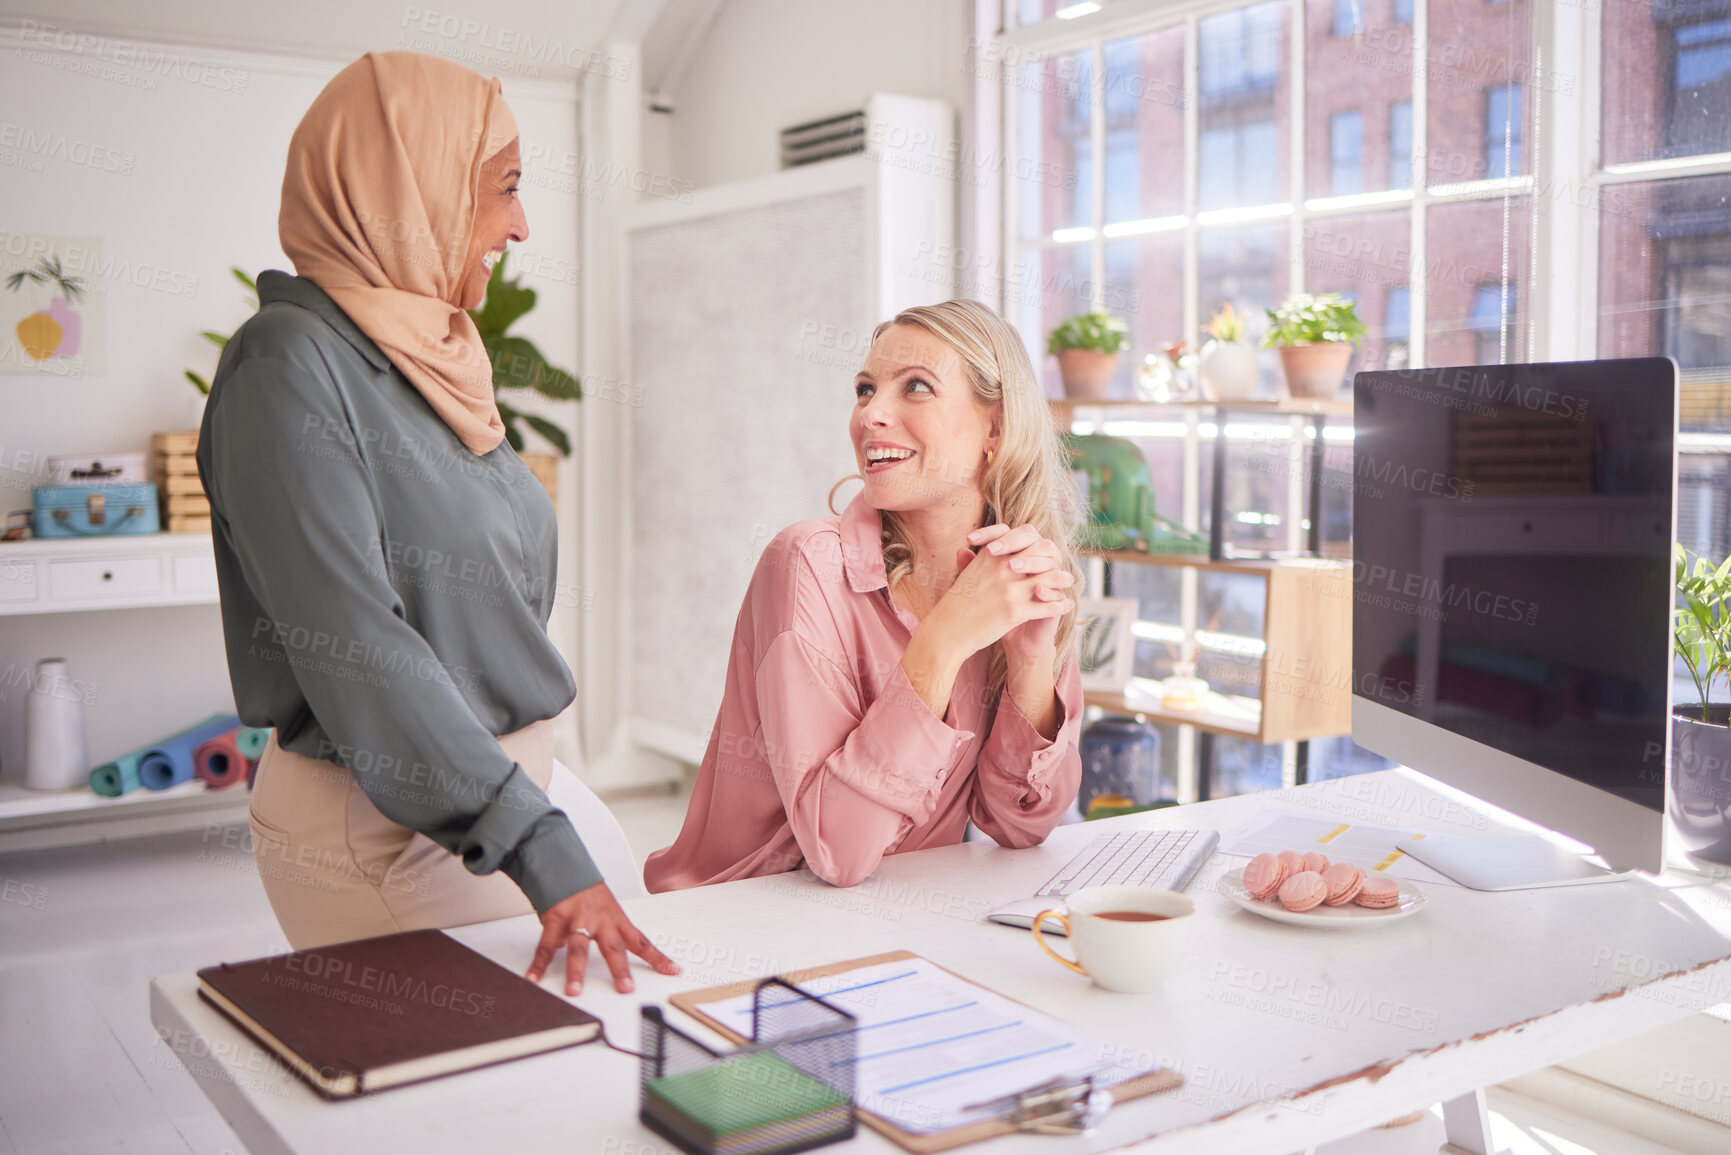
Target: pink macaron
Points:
(1378, 893)
(1294, 861)
(1303, 890)
(1315, 860)
(1263, 876)
(1344, 882)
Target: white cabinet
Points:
(108, 577)
(48, 576)
(17, 580)
(57, 576)
(195, 573)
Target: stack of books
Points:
(749, 1104)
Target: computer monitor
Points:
(1512, 585)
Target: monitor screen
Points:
(1512, 565)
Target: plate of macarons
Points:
(1306, 889)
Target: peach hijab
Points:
(378, 203)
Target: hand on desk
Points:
(593, 914)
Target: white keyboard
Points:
(1166, 859)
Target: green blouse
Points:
(385, 592)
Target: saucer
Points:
(1348, 917)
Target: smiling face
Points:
(498, 218)
(919, 434)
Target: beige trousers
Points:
(336, 869)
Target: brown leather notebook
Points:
(380, 1012)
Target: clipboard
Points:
(917, 1142)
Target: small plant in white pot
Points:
(1700, 781)
(1087, 348)
(1315, 336)
(1227, 365)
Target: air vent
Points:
(822, 139)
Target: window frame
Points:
(1568, 172)
(1567, 176)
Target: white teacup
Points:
(1127, 938)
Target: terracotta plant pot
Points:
(1228, 370)
(1086, 374)
(1699, 800)
(545, 467)
(1315, 371)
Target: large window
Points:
(1254, 166)
(1503, 130)
(1493, 308)
(1346, 17)
(1346, 153)
(1240, 50)
(1664, 276)
(1400, 144)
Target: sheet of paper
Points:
(1371, 848)
(930, 1045)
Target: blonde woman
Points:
(907, 665)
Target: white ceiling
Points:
(552, 29)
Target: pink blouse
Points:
(823, 753)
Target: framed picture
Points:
(1104, 645)
(52, 292)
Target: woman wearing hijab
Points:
(386, 562)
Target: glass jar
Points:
(1120, 763)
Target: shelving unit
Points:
(1062, 407)
(1305, 676)
(1306, 667)
(123, 572)
(34, 819)
(67, 575)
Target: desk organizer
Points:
(790, 1089)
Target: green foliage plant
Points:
(1304, 319)
(1096, 332)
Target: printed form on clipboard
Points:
(937, 1052)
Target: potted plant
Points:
(56, 330)
(221, 340)
(1700, 783)
(518, 364)
(1315, 336)
(1227, 366)
(1087, 348)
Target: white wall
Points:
(202, 135)
(763, 65)
(768, 64)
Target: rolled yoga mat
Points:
(219, 761)
(252, 740)
(169, 762)
(112, 779)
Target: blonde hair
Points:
(1027, 480)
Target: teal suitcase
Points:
(94, 510)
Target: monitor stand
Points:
(1506, 861)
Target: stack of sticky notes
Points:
(750, 1104)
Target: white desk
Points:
(1287, 1036)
